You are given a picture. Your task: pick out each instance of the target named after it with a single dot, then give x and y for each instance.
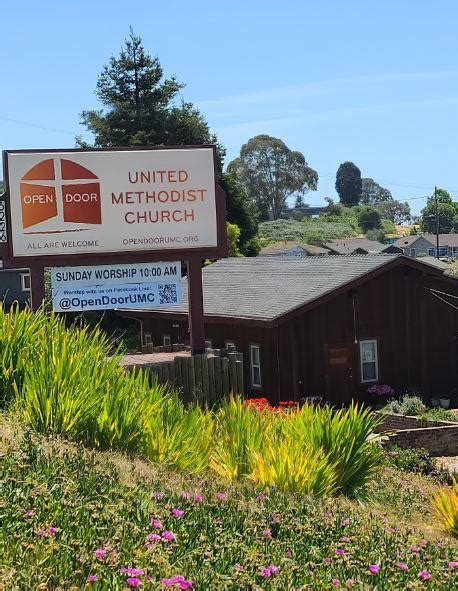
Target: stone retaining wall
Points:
(439, 438)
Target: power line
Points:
(38, 126)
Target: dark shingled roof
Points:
(349, 245)
(264, 288)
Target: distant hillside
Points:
(310, 231)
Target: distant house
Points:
(291, 248)
(329, 326)
(360, 246)
(14, 286)
(425, 245)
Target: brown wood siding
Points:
(417, 338)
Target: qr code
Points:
(168, 293)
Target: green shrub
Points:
(417, 460)
(408, 406)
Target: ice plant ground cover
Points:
(78, 519)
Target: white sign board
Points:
(107, 287)
(95, 202)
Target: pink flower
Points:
(198, 498)
(345, 521)
(177, 512)
(132, 572)
(344, 539)
(169, 536)
(100, 553)
(340, 552)
(218, 521)
(288, 553)
(260, 497)
(52, 531)
(265, 572)
(276, 518)
(133, 582)
(185, 496)
(335, 581)
(453, 564)
(274, 569)
(156, 523)
(441, 545)
(221, 496)
(92, 578)
(158, 496)
(30, 513)
(178, 580)
(424, 575)
(402, 565)
(349, 582)
(154, 537)
(327, 560)
(415, 549)
(41, 533)
(374, 568)
(267, 533)
(238, 568)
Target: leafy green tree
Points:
(447, 212)
(395, 211)
(369, 218)
(271, 173)
(242, 213)
(377, 234)
(233, 236)
(349, 184)
(141, 106)
(372, 192)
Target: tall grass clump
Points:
(445, 506)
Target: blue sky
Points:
(363, 80)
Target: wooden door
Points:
(339, 373)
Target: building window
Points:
(431, 252)
(255, 359)
(369, 361)
(443, 251)
(25, 281)
(166, 340)
(413, 252)
(147, 338)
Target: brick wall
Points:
(440, 439)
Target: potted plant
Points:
(435, 402)
(445, 402)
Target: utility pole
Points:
(437, 222)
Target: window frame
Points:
(164, 338)
(254, 384)
(147, 338)
(24, 277)
(228, 344)
(361, 362)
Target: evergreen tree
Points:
(349, 184)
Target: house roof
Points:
(436, 262)
(263, 289)
(349, 245)
(283, 247)
(444, 240)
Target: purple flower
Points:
(327, 560)
(415, 549)
(92, 578)
(424, 575)
(340, 552)
(52, 531)
(41, 533)
(374, 568)
(185, 496)
(267, 533)
(265, 572)
(238, 568)
(158, 496)
(260, 497)
(344, 539)
(221, 496)
(453, 564)
(133, 582)
(156, 523)
(177, 512)
(349, 582)
(198, 498)
(335, 581)
(132, 572)
(169, 536)
(154, 537)
(288, 553)
(402, 565)
(100, 553)
(345, 521)
(276, 518)
(381, 390)
(30, 513)
(218, 521)
(274, 569)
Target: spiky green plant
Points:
(445, 506)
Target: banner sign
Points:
(111, 201)
(107, 287)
